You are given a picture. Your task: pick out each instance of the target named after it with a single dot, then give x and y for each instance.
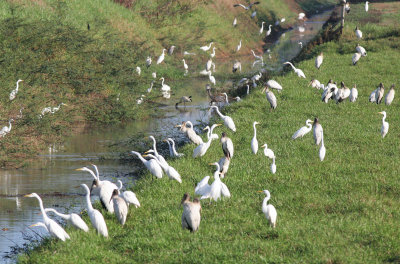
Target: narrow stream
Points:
(58, 184)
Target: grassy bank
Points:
(341, 210)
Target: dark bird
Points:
(184, 99)
(191, 213)
(247, 7)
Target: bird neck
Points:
(120, 185)
(88, 202)
(64, 216)
(265, 201)
(41, 207)
(218, 112)
(255, 130)
(154, 146)
(384, 117)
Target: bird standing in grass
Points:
(120, 207)
(128, 196)
(299, 72)
(270, 97)
(322, 149)
(6, 129)
(148, 61)
(268, 209)
(72, 219)
(303, 130)
(356, 57)
(317, 129)
(217, 188)
(14, 92)
(227, 146)
(254, 141)
(239, 46)
(205, 48)
(162, 56)
(228, 121)
(274, 85)
(246, 7)
(151, 165)
(389, 96)
(379, 93)
(361, 50)
(319, 60)
(268, 152)
(358, 33)
(385, 125)
(353, 94)
(366, 6)
(191, 213)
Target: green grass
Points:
(341, 210)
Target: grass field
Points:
(342, 210)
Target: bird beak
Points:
(80, 169)
(205, 128)
(210, 163)
(380, 113)
(310, 83)
(33, 225)
(178, 126)
(263, 146)
(265, 88)
(145, 156)
(27, 195)
(218, 125)
(165, 140)
(259, 191)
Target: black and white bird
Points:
(356, 57)
(227, 145)
(361, 50)
(237, 66)
(317, 129)
(246, 7)
(191, 213)
(353, 94)
(184, 99)
(270, 97)
(379, 93)
(389, 96)
(358, 33)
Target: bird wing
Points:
(299, 133)
(98, 222)
(56, 230)
(229, 146)
(130, 198)
(203, 187)
(224, 190)
(77, 221)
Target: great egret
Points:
(270, 97)
(269, 210)
(212, 55)
(171, 50)
(175, 153)
(73, 219)
(358, 33)
(210, 131)
(234, 24)
(319, 60)
(361, 50)
(211, 78)
(15, 91)
(315, 84)
(274, 85)
(273, 166)
(269, 31)
(353, 94)
(390, 96)
(201, 149)
(322, 149)
(184, 99)
(227, 146)
(128, 196)
(6, 129)
(366, 6)
(379, 93)
(268, 152)
(95, 216)
(192, 134)
(185, 66)
(148, 61)
(217, 188)
(356, 57)
(152, 165)
(191, 213)
(162, 56)
(303, 130)
(169, 170)
(120, 207)
(228, 121)
(164, 87)
(239, 46)
(50, 110)
(262, 28)
(205, 48)
(224, 163)
(317, 130)
(259, 57)
(254, 141)
(299, 72)
(385, 125)
(52, 227)
(154, 150)
(138, 70)
(301, 16)
(246, 7)
(237, 66)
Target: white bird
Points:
(303, 130)
(259, 57)
(270, 97)
(175, 153)
(347, 7)
(120, 207)
(322, 149)
(390, 96)
(185, 66)
(52, 227)
(353, 94)
(224, 163)
(164, 87)
(246, 7)
(385, 125)
(15, 91)
(151, 87)
(152, 165)
(301, 16)
(211, 78)
(273, 166)
(234, 22)
(205, 48)
(256, 77)
(237, 66)
(138, 70)
(356, 57)
(171, 50)
(319, 60)
(228, 121)
(210, 131)
(212, 55)
(269, 210)
(262, 27)
(186, 53)
(361, 50)
(227, 146)
(269, 31)
(299, 72)
(154, 150)
(201, 149)
(274, 85)
(315, 84)
(141, 99)
(317, 130)
(95, 216)
(128, 196)
(343, 93)
(191, 213)
(148, 61)
(171, 172)
(72, 219)
(154, 75)
(239, 46)
(379, 93)
(283, 20)
(366, 6)
(372, 98)
(6, 129)
(301, 44)
(254, 141)
(358, 33)
(192, 134)
(162, 56)
(268, 152)
(217, 188)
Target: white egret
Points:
(273, 166)
(164, 87)
(379, 93)
(120, 207)
(239, 46)
(270, 97)
(210, 131)
(248, 89)
(315, 84)
(217, 188)
(301, 44)
(319, 60)
(322, 149)
(201, 149)
(226, 98)
(6, 129)
(389, 96)
(303, 130)
(228, 121)
(234, 24)
(211, 78)
(14, 92)
(353, 94)
(185, 66)
(227, 145)
(212, 55)
(257, 77)
(154, 150)
(151, 87)
(366, 6)
(356, 57)
(237, 66)
(154, 75)
(385, 125)
(247, 7)
(138, 70)
(191, 213)
(317, 130)
(254, 141)
(269, 31)
(176, 154)
(128, 196)
(184, 99)
(152, 165)
(299, 72)
(192, 134)
(274, 85)
(224, 163)
(52, 227)
(301, 16)
(283, 20)
(262, 28)
(148, 61)
(72, 219)
(237, 98)
(171, 172)
(205, 48)
(95, 216)
(162, 56)
(361, 50)
(268, 152)
(259, 57)
(358, 33)
(269, 210)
